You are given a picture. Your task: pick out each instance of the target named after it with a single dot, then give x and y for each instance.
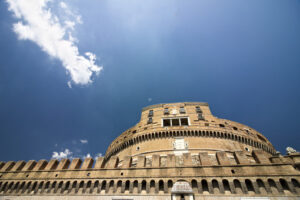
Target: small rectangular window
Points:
(167, 122)
(150, 120)
(166, 111)
(198, 110)
(175, 122)
(200, 116)
(184, 122)
(150, 113)
(182, 110)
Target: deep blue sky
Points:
(242, 57)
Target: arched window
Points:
(119, 187)
(249, 186)
(152, 186)
(66, 188)
(284, 185)
(74, 186)
(47, 187)
(238, 186)
(261, 186)
(96, 187)
(194, 186)
(170, 185)
(144, 185)
(273, 186)
(15, 187)
(295, 183)
(10, 186)
(135, 187)
(27, 187)
(103, 186)
(127, 185)
(161, 185)
(204, 186)
(88, 187)
(215, 186)
(111, 187)
(226, 186)
(34, 187)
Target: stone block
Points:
(222, 158)
(88, 163)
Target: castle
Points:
(177, 151)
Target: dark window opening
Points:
(184, 122)
(150, 120)
(222, 125)
(150, 113)
(200, 116)
(166, 111)
(235, 128)
(198, 110)
(175, 122)
(232, 171)
(134, 131)
(167, 122)
(261, 138)
(182, 110)
(206, 124)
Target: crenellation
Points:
(88, 163)
(41, 165)
(8, 166)
(222, 158)
(18, 166)
(260, 157)
(99, 163)
(204, 159)
(241, 158)
(63, 164)
(141, 162)
(51, 165)
(1, 164)
(112, 163)
(75, 164)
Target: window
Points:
(150, 113)
(200, 116)
(198, 110)
(176, 122)
(222, 125)
(166, 111)
(150, 120)
(184, 121)
(182, 110)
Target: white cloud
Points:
(84, 141)
(98, 155)
(149, 99)
(61, 155)
(37, 23)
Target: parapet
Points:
(202, 159)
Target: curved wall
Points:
(158, 132)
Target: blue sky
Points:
(242, 57)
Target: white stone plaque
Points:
(181, 187)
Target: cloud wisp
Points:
(84, 141)
(37, 23)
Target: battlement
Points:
(220, 158)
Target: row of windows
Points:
(175, 122)
(214, 186)
(181, 111)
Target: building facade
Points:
(176, 151)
